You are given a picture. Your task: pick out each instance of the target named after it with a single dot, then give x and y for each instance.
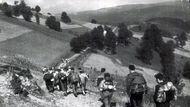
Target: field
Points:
(37, 47)
(9, 30)
(40, 44)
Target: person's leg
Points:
(139, 98)
(65, 86)
(83, 89)
(106, 102)
(74, 86)
(131, 101)
(110, 98)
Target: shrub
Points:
(93, 21)
(65, 18)
(110, 41)
(16, 10)
(7, 10)
(152, 40)
(26, 13)
(124, 34)
(53, 24)
(181, 39)
(81, 42)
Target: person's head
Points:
(159, 78)
(131, 68)
(107, 76)
(103, 70)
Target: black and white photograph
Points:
(94, 53)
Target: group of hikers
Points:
(61, 79)
(136, 85)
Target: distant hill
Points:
(136, 13)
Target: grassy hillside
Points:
(40, 44)
(38, 47)
(169, 26)
(137, 13)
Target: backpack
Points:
(161, 95)
(48, 76)
(138, 83)
(61, 76)
(108, 85)
(75, 77)
(99, 81)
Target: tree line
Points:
(22, 9)
(102, 38)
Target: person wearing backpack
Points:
(136, 87)
(48, 78)
(164, 92)
(100, 77)
(75, 81)
(106, 90)
(83, 80)
(63, 80)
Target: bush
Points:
(16, 10)
(110, 41)
(26, 13)
(124, 34)
(152, 40)
(65, 18)
(53, 24)
(7, 10)
(186, 70)
(93, 21)
(97, 38)
(181, 39)
(81, 42)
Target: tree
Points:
(37, 9)
(168, 62)
(152, 40)
(25, 11)
(110, 40)
(181, 39)
(97, 38)
(53, 24)
(16, 9)
(124, 34)
(186, 70)
(7, 10)
(65, 18)
(145, 53)
(93, 21)
(81, 42)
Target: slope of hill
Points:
(137, 13)
(38, 43)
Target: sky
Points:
(81, 5)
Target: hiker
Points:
(100, 77)
(75, 80)
(106, 90)
(48, 78)
(136, 86)
(69, 71)
(164, 91)
(63, 80)
(56, 79)
(83, 80)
